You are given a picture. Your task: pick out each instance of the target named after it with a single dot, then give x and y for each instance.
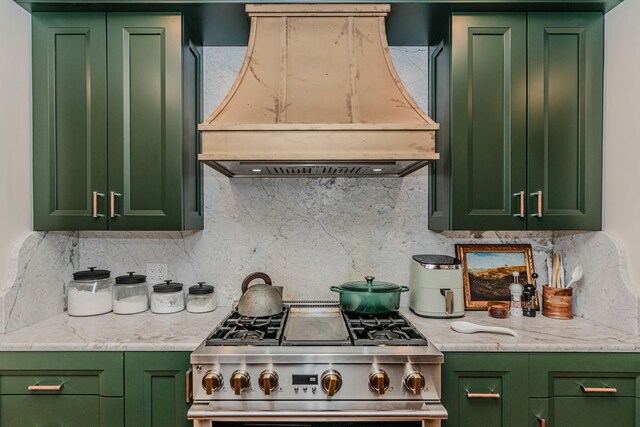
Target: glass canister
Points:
(201, 298)
(89, 293)
(167, 297)
(130, 294)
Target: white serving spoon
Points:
(470, 328)
(575, 276)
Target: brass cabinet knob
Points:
(268, 381)
(379, 381)
(331, 382)
(240, 381)
(212, 381)
(414, 381)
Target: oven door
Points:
(316, 414)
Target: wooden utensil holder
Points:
(557, 303)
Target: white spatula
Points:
(471, 328)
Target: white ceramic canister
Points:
(89, 293)
(167, 297)
(130, 294)
(201, 298)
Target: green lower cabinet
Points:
(485, 389)
(156, 392)
(67, 411)
(584, 412)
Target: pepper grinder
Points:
(516, 296)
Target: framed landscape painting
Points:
(488, 272)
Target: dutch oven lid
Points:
(436, 259)
(201, 289)
(91, 274)
(369, 285)
(167, 286)
(131, 279)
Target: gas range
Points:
(312, 363)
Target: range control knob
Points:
(268, 381)
(415, 382)
(331, 381)
(240, 380)
(212, 381)
(379, 381)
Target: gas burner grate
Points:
(387, 329)
(236, 329)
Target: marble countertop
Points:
(185, 331)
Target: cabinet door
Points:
(583, 411)
(565, 120)
(67, 411)
(155, 389)
(484, 389)
(488, 127)
(145, 121)
(69, 121)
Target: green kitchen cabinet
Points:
(584, 389)
(519, 99)
(485, 389)
(156, 389)
(72, 389)
(116, 107)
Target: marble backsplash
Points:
(306, 233)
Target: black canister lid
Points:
(167, 286)
(130, 279)
(436, 259)
(201, 289)
(91, 274)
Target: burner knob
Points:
(415, 382)
(379, 381)
(212, 381)
(331, 382)
(268, 381)
(240, 380)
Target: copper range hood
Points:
(318, 95)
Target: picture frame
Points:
(488, 272)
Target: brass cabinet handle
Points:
(483, 395)
(598, 389)
(539, 196)
(542, 422)
(188, 386)
(37, 387)
(521, 195)
(112, 203)
(94, 210)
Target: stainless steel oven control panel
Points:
(316, 381)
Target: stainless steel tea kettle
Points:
(260, 300)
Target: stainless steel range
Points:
(313, 365)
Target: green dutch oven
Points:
(369, 297)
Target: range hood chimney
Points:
(317, 95)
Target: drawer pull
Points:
(37, 387)
(542, 422)
(483, 395)
(599, 389)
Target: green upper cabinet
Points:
(521, 143)
(131, 165)
(69, 121)
(565, 120)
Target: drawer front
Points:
(61, 384)
(58, 411)
(75, 373)
(481, 400)
(584, 375)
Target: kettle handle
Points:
(252, 277)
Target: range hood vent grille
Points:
(318, 92)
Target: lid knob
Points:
(92, 268)
(369, 279)
(168, 281)
(131, 273)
